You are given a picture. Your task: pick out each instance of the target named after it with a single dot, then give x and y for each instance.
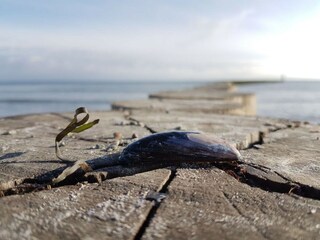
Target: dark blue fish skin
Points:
(178, 147)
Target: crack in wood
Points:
(153, 211)
(250, 174)
(271, 181)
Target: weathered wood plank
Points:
(203, 93)
(208, 203)
(28, 150)
(221, 107)
(247, 100)
(113, 210)
(242, 131)
(218, 86)
(293, 153)
(216, 119)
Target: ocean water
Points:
(291, 100)
(39, 97)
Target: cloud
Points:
(201, 49)
(194, 41)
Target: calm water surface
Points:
(39, 97)
(292, 100)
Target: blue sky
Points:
(158, 40)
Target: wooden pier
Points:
(277, 200)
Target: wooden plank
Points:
(219, 86)
(216, 119)
(221, 107)
(203, 93)
(208, 203)
(240, 130)
(247, 100)
(113, 210)
(293, 153)
(28, 150)
(10, 125)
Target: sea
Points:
(295, 100)
(27, 97)
(290, 99)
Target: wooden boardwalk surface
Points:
(279, 200)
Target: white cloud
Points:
(203, 46)
(205, 49)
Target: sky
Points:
(159, 40)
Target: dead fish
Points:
(179, 146)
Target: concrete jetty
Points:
(275, 195)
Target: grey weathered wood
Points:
(242, 131)
(203, 93)
(210, 204)
(221, 107)
(218, 86)
(113, 210)
(247, 100)
(293, 153)
(27, 143)
(215, 119)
